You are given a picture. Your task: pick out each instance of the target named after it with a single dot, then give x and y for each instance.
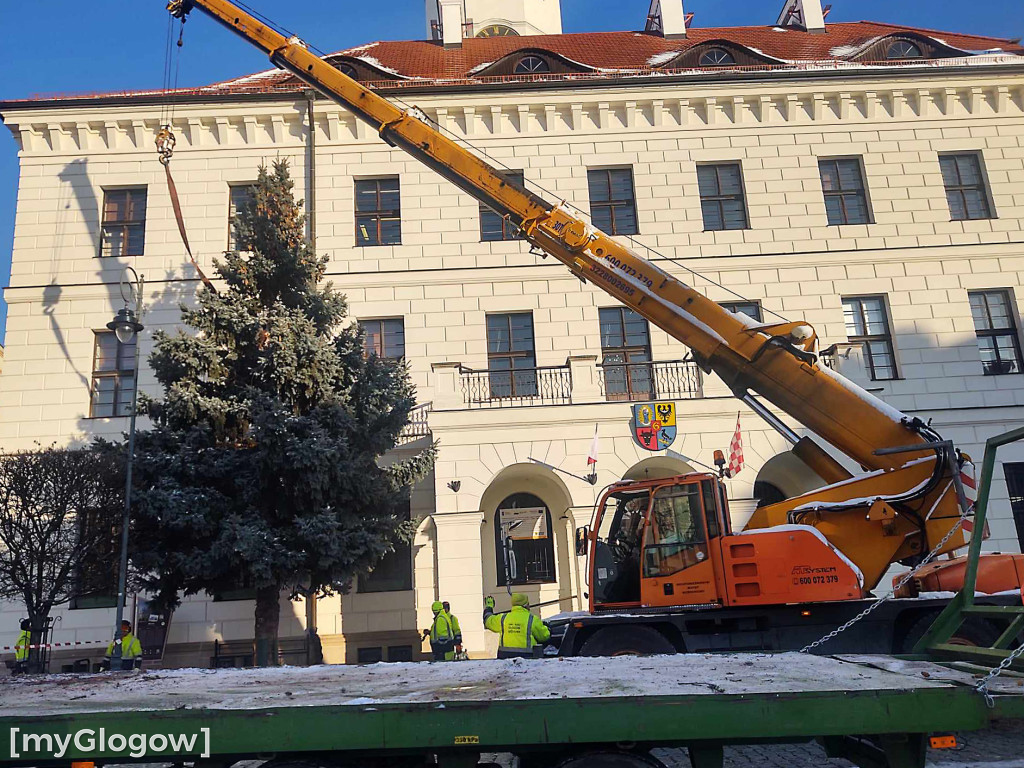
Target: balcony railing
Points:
(675, 380)
(525, 386)
(418, 426)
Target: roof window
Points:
(716, 57)
(903, 49)
(531, 65)
(347, 69)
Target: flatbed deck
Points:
(494, 706)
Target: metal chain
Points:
(902, 582)
(982, 687)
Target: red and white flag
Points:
(736, 450)
(592, 455)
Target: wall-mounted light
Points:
(455, 485)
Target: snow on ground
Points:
(487, 680)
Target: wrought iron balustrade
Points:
(418, 426)
(675, 379)
(524, 386)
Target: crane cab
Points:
(668, 543)
(656, 543)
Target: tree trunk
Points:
(268, 616)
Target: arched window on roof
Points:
(716, 57)
(531, 65)
(903, 49)
(347, 69)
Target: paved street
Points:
(1000, 747)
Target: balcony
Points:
(672, 380)
(581, 380)
(525, 386)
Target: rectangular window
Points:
(378, 212)
(95, 582)
(369, 655)
(399, 653)
(123, 232)
(239, 195)
(613, 201)
(867, 321)
(1014, 473)
(384, 338)
(751, 309)
(721, 196)
(511, 360)
(394, 571)
(626, 354)
(493, 226)
(993, 313)
(113, 376)
(965, 187)
(846, 199)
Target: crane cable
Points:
(165, 140)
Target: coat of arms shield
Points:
(654, 425)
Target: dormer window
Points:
(903, 49)
(716, 57)
(347, 69)
(531, 65)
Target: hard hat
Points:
(437, 606)
(518, 598)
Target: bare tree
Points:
(60, 512)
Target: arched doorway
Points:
(657, 467)
(523, 534)
(782, 477)
(535, 499)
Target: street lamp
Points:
(125, 326)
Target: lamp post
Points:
(125, 326)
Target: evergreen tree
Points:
(265, 461)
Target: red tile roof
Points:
(608, 52)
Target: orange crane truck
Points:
(665, 569)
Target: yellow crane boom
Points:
(902, 508)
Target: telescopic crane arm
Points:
(775, 361)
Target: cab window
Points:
(675, 538)
(707, 489)
(617, 554)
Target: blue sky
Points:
(60, 46)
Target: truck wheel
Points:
(612, 760)
(626, 641)
(973, 632)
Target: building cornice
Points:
(88, 128)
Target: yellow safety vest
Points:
(520, 630)
(130, 647)
(24, 640)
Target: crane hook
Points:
(165, 142)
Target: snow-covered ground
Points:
(578, 678)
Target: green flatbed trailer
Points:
(874, 710)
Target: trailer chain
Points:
(899, 585)
(995, 672)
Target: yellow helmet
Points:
(437, 606)
(518, 598)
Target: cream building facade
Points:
(647, 134)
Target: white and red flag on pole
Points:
(592, 455)
(736, 450)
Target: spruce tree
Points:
(265, 460)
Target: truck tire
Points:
(626, 641)
(974, 632)
(612, 760)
